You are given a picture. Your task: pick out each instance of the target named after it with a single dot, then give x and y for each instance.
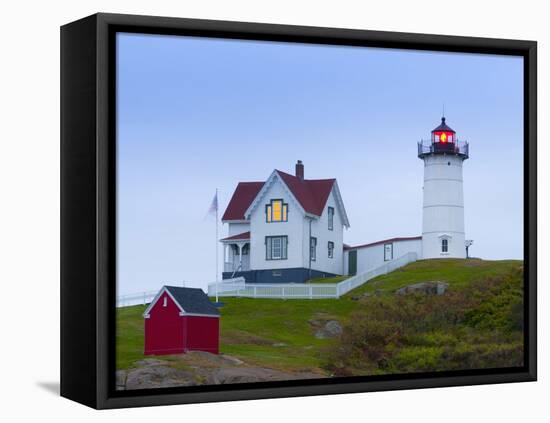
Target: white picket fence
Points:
(147, 296)
(135, 298)
(358, 280)
(237, 287)
(234, 288)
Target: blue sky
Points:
(196, 114)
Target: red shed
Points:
(180, 320)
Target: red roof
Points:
(384, 241)
(312, 194)
(243, 236)
(243, 196)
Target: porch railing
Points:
(229, 266)
(230, 288)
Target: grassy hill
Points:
(476, 322)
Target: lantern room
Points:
(443, 133)
(443, 141)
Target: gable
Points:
(310, 194)
(274, 189)
(157, 301)
(166, 305)
(188, 300)
(340, 204)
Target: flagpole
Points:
(217, 245)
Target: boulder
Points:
(427, 288)
(330, 329)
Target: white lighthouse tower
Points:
(443, 206)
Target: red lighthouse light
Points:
(443, 137)
(444, 141)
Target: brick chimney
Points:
(300, 170)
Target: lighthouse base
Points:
(443, 245)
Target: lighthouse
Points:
(443, 198)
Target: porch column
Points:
(225, 257)
(240, 256)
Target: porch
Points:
(236, 253)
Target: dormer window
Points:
(276, 211)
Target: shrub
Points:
(480, 326)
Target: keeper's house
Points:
(180, 320)
(285, 229)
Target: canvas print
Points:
(291, 211)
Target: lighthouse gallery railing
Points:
(461, 148)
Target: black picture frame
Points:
(88, 190)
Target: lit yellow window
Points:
(277, 210)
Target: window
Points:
(444, 245)
(388, 252)
(330, 218)
(313, 248)
(165, 301)
(276, 211)
(276, 247)
(330, 249)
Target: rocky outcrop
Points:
(198, 368)
(427, 288)
(159, 376)
(253, 374)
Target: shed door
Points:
(352, 262)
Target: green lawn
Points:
(458, 273)
(277, 334)
(334, 279)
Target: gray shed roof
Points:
(192, 300)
